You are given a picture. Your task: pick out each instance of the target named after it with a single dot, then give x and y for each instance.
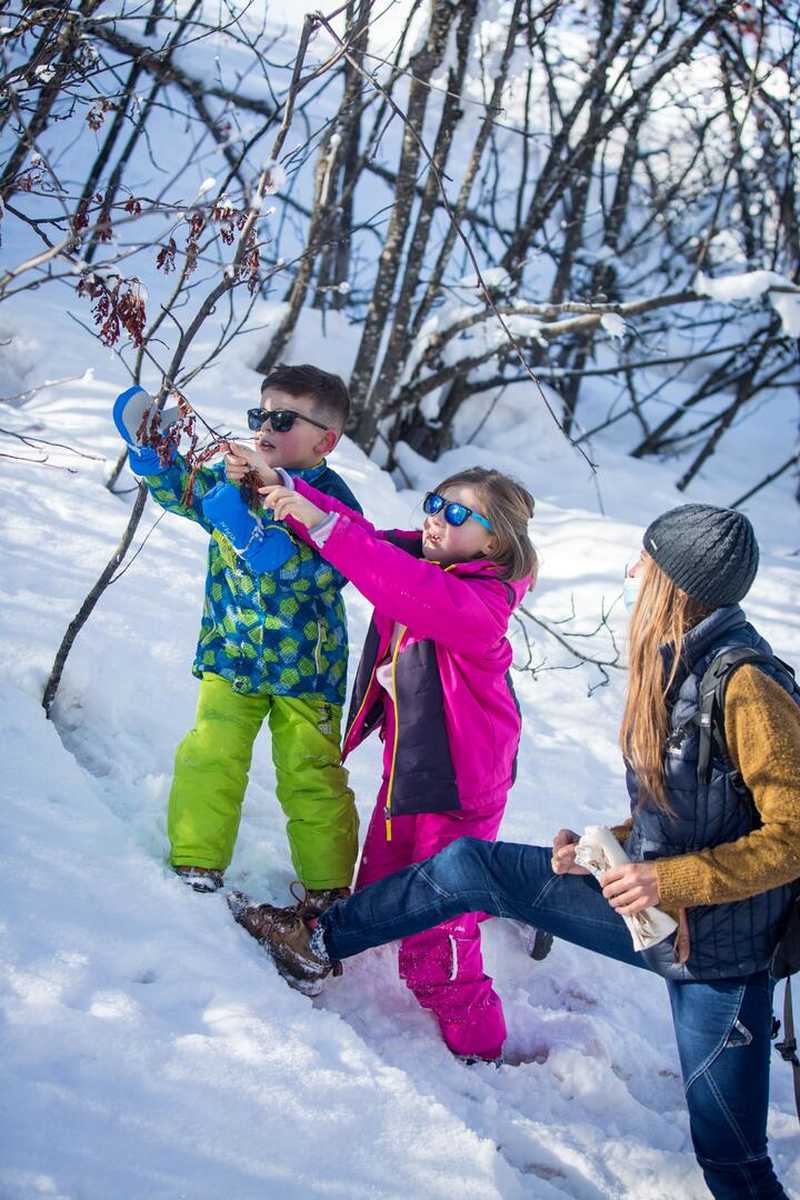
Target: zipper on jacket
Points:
(321, 630)
(354, 721)
(387, 810)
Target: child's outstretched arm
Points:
(168, 489)
(325, 502)
(466, 615)
(166, 482)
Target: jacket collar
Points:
(700, 640)
(483, 568)
(309, 474)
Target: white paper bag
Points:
(598, 850)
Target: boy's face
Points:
(304, 444)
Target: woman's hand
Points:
(563, 860)
(284, 503)
(631, 888)
(239, 460)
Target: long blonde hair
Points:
(662, 617)
(509, 507)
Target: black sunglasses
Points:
(281, 419)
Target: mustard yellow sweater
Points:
(762, 730)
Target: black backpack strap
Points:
(784, 666)
(788, 1047)
(711, 702)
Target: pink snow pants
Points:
(443, 966)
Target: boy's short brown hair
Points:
(328, 391)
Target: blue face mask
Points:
(630, 592)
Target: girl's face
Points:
(446, 544)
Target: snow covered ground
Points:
(150, 1050)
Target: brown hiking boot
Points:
(200, 879)
(312, 902)
(287, 938)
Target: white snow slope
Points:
(151, 1052)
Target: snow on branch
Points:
(783, 295)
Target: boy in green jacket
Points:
(273, 642)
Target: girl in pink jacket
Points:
(434, 679)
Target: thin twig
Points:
(28, 439)
(793, 461)
(40, 462)
(139, 548)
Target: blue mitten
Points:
(262, 548)
(146, 461)
(129, 409)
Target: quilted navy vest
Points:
(726, 940)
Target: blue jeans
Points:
(722, 1026)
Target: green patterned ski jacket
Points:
(281, 632)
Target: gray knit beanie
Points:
(709, 553)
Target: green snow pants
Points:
(211, 771)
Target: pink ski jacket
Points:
(456, 718)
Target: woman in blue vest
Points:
(718, 849)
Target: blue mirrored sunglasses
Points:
(453, 512)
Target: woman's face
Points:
(634, 576)
(637, 567)
(447, 544)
